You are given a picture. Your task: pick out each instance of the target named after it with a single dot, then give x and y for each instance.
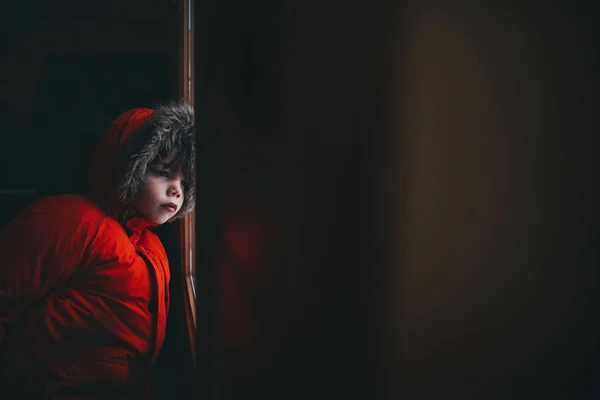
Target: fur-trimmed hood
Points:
(117, 168)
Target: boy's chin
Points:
(162, 221)
(159, 220)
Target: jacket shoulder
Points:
(57, 229)
(58, 212)
(64, 216)
(64, 206)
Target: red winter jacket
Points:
(83, 285)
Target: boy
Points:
(83, 281)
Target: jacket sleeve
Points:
(39, 250)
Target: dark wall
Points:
(492, 268)
(430, 170)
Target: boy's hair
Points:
(169, 130)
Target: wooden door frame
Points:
(187, 226)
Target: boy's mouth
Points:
(171, 207)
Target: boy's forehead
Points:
(166, 161)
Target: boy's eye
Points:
(163, 173)
(184, 184)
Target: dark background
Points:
(429, 170)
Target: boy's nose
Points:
(175, 189)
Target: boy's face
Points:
(162, 196)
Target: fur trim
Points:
(170, 126)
